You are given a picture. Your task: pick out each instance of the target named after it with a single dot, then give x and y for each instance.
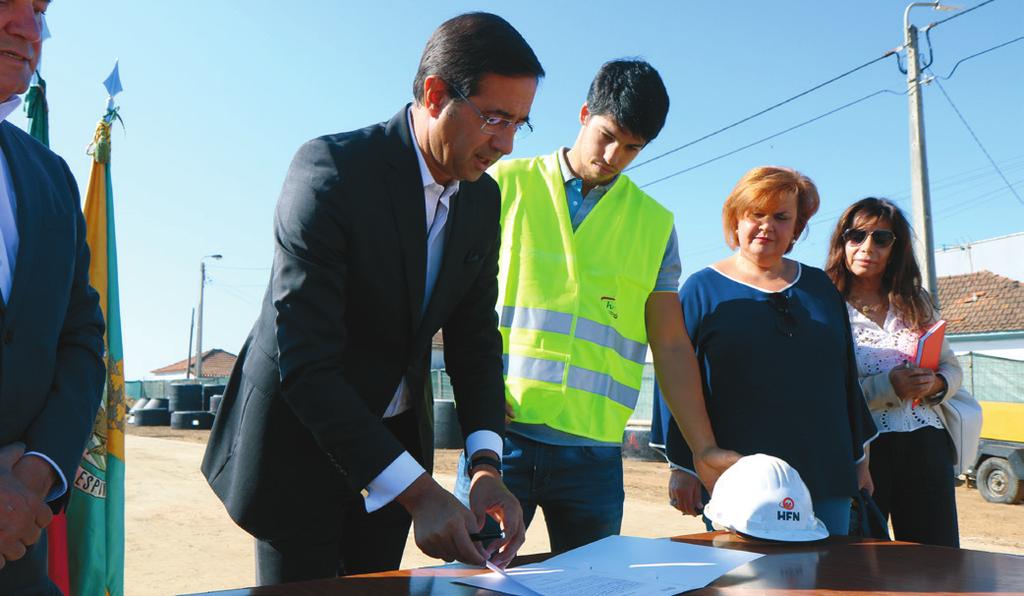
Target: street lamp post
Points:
(921, 208)
(199, 320)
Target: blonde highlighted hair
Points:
(763, 189)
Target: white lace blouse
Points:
(879, 350)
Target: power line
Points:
(978, 141)
(973, 202)
(1004, 44)
(960, 14)
(235, 294)
(764, 111)
(770, 137)
(892, 52)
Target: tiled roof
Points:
(981, 302)
(216, 363)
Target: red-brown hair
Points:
(765, 187)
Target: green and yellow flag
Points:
(38, 111)
(96, 511)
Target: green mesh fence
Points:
(990, 378)
(152, 389)
(442, 385)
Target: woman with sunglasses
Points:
(775, 358)
(872, 264)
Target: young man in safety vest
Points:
(589, 270)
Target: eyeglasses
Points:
(493, 125)
(787, 323)
(882, 238)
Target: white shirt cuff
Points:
(483, 439)
(57, 491)
(682, 469)
(392, 481)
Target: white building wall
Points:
(164, 377)
(1001, 256)
(1002, 348)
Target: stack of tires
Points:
(208, 392)
(186, 407)
(150, 412)
(215, 403)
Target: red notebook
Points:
(929, 347)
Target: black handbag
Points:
(866, 519)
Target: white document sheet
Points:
(618, 566)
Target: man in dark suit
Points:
(51, 326)
(382, 236)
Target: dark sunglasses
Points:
(882, 238)
(786, 324)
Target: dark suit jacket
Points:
(51, 342)
(299, 431)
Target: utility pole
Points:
(199, 320)
(921, 206)
(191, 332)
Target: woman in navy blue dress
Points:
(776, 361)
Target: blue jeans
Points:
(579, 488)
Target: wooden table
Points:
(834, 566)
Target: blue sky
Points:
(218, 95)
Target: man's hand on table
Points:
(488, 495)
(441, 524)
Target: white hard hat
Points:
(763, 496)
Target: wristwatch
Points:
(936, 398)
(483, 460)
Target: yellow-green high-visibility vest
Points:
(572, 304)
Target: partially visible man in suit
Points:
(382, 236)
(51, 326)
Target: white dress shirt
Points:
(8, 211)
(405, 469)
(9, 257)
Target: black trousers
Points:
(28, 575)
(913, 476)
(361, 543)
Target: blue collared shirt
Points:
(580, 207)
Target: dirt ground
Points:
(180, 540)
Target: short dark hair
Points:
(631, 93)
(467, 47)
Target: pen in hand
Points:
(485, 536)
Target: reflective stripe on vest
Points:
(549, 371)
(536, 369)
(539, 319)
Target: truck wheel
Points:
(997, 482)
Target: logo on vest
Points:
(609, 304)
